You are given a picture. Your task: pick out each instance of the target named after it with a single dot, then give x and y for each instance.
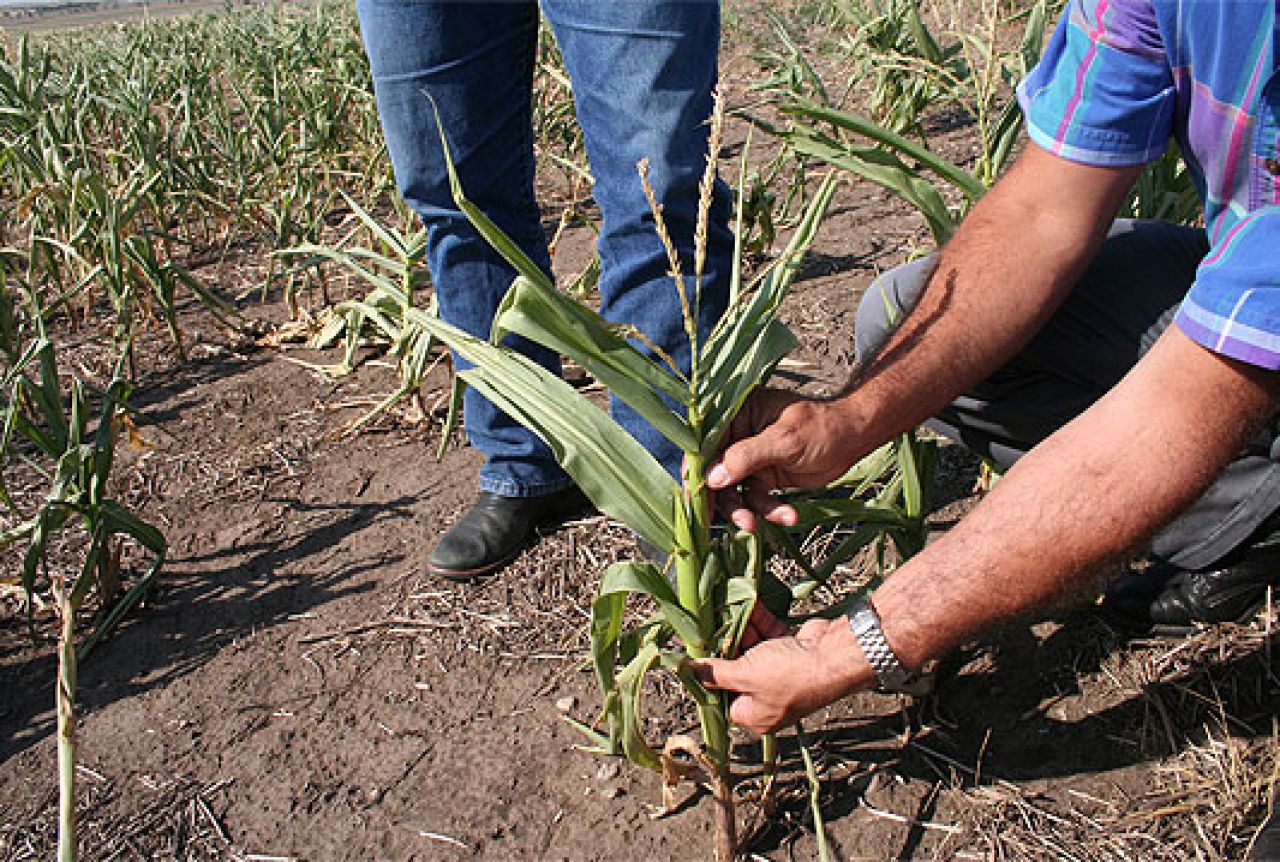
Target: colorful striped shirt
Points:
(1119, 78)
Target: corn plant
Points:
(1165, 191)
(907, 167)
(395, 273)
(130, 149)
(56, 425)
(712, 580)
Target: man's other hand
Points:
(781, 680)
(779, 440)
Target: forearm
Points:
(1008, 268)
(1081, 500)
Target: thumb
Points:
(746, 712)
(718, 673)
(772, 447)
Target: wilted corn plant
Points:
(133, 153)
(972, 72)
(57, 426)
(395, 272)
(716, 578)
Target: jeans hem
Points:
(513, 489)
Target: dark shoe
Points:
(495, 529)
(1167, 600)
(1266, 845)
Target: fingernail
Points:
(718, 477)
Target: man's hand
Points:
(779, 440)
(761, 626)
(782, 680)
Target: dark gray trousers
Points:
(1123, 303)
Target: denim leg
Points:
(643, 73)
(475, 60)
(1123, 303)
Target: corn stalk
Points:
(77, 493)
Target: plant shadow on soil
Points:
(203, 603)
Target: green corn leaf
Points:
(85, 580)
(678, 663)
(739, 603)
(713, 574)
(885, 169)
(104, 442)
(1004, 136)
(28, 356)
(49, 395)
(492, 234)
(969, 185)
(868, 471)
(863, 535)
(79, 418)
(740, 589)
(457, 388)
(391, 240)
(50, 519)
(618, 475)
(6, 439)
(764, 301)
(1033, 36)
(600, 743)
(815, 513)
(739, 553)
(920, 34)
(361, 312)
(15, 534)
(630, 689)
(117, 520)
(749, 341)
(33, 432)
(587, 281)
(782, 540)
(563, 325)
(915, 461)
(219, 307)
(349, 259)
(327, 335)
(729, 389)
(606, 627)
(644, 578)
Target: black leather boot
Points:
(495, 529)
(1266, 847)
(1168, 600)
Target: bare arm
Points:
(1097, 488)
(1088, 494)
(1010, 265)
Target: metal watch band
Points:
(865, 623)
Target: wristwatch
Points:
(889, 671)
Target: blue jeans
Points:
(643, 74)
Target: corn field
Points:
(141, 162)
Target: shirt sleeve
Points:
(1102, 93)
(1233, 308)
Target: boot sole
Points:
(466, 576)
(1131, 627)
